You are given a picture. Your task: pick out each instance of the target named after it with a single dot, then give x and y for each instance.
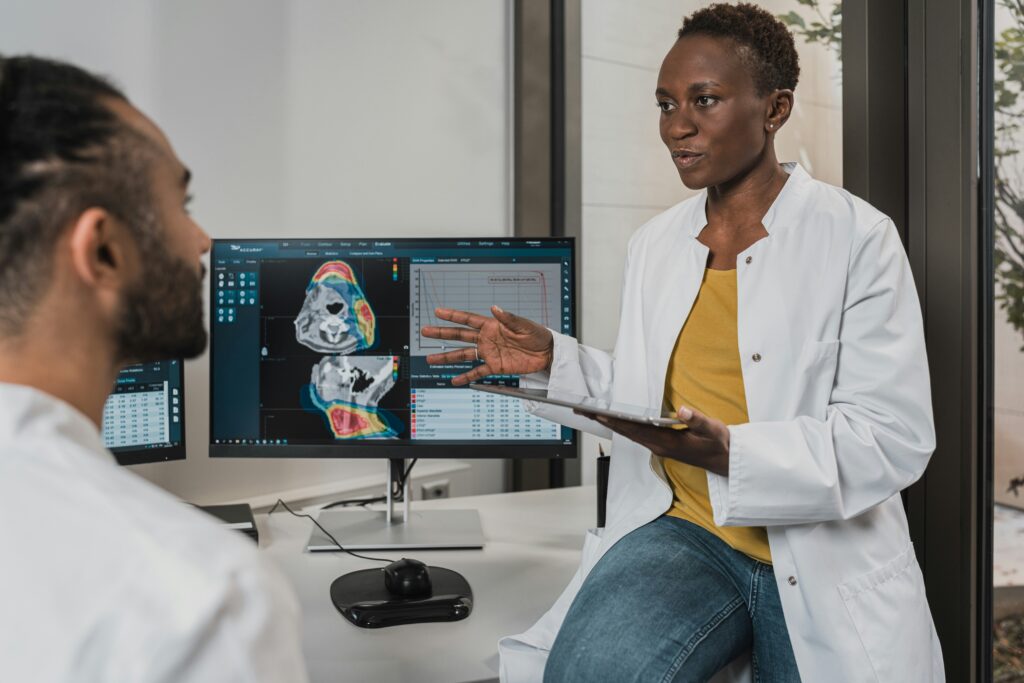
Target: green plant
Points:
(825, 26)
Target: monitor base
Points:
(424, 529)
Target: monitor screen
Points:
(316, 351)
(144, 417)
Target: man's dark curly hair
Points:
(766, 45)
(62, 151)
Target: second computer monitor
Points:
(316, 348)
(144, 416)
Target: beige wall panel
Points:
(637, 32)
(606, 234)
(624, 160)
(812, 137)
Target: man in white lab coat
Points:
(777, 316)
(103, 576)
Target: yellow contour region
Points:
(367, 321)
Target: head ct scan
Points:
(337, 319)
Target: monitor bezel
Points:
(147, 456)
(482, 450)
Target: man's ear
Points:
(100, 250)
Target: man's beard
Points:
(162, 314)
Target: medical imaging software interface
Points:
(144, 411)
(318, 342)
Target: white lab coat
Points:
(833, 357)
(104, 577)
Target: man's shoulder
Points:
(122, 567)
(124, 520)
(173, 532)
(214, 592)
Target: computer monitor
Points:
(316, 351)
(144, 416)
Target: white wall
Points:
(628, 177)
(313, 118)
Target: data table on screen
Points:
(136, 417)
(464, 414)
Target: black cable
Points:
(405, 477)
(408, 470)
(354, 501)
(398, 496)
(326, 532)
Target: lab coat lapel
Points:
(672, 288)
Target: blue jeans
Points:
(672, 603)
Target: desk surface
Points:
(533, 542)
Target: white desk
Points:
(533, 542)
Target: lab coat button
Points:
(756, 357)
(792, 581)
(749, 259)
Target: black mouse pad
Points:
(362, 599)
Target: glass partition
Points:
(1005, 201)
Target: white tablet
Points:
(648, 416)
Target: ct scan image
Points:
(348, 389)
(333, 337)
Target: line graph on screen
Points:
(528, 290)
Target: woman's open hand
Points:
(506, 344)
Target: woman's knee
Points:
(573, 660)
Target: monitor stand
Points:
(384, 530)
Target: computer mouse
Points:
(407, 578)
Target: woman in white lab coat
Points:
(778, 317)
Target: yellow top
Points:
(704, 373)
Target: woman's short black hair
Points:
(766, 45)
